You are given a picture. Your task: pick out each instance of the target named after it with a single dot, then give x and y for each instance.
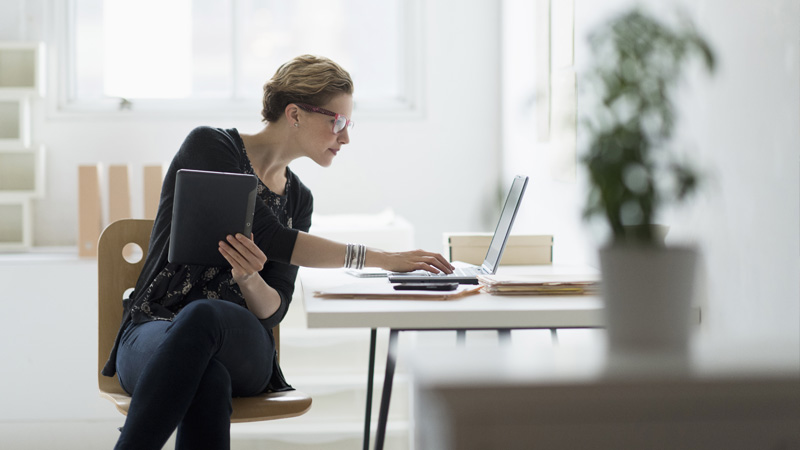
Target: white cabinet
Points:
(21, 163)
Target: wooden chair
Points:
(115, 276)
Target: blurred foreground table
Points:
(720, 396)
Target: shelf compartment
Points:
(15, 225)
(22, 173)
(21, 68)
(14, 122)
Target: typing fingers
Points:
(432, 262)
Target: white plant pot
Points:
(648, 293)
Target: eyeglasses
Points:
(340, 121)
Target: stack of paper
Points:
(541, 284)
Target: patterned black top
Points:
(163, 288)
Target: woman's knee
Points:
(197, 324)
(202, 313)
(202, 307)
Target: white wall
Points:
(550, 206)
(745, 125)
(742, 126)
(404, 164)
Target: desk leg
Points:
(554, 336)
(461, 337)
(504, 336)
(371, 372)
(383, 415)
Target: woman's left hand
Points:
(244, 256)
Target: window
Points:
(178, 54)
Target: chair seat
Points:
(273, 405)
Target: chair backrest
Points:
(121, 252)
(127, 238)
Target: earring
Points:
(296, 125)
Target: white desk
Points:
(473, 312)
(480, 311)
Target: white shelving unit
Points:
(21, 163)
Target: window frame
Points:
(62, 80)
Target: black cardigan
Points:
(219, 150)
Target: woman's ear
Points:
(292, 113)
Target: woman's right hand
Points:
(408, 261)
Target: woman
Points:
(193, 337)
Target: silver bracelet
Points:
(355, 256)
(362, 256)
(347, 255)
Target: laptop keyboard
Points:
(458, 272)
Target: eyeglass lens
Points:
(340, 124)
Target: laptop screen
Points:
(507, 216)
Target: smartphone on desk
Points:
(446, 286)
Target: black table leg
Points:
(371, 371)
(461, 337)
(504, 336)
(391, 359)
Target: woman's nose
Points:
(344, 136)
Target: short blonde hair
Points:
(310, 79)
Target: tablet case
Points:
(207, 207)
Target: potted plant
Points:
(638, 61)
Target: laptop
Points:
(207, 207)
(468, 273)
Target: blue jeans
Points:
(184, 373)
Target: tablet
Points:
(207, 207)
